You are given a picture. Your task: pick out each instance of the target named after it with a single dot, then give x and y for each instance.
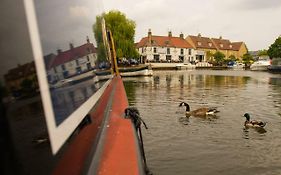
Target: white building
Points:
(165, 49)
(72, 62)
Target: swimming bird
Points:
(253, 123)
(201, 112)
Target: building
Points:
(165, 49)
(205, 47)
(72, 62)
(15, 77)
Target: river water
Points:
(177, 145)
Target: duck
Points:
(253, 123)
(201, 112)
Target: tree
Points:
(232, 58)
(262, 52)
(274, 50)
(247, 59)
(123, 31)
(219, 57)
(209, 55)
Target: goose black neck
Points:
(187, 108)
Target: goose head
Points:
(247, 116)
(187, 108)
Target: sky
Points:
(256, 22)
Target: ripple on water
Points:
(175, 144)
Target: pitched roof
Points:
(72, 54)
(202, 42)
(164, 41)
(236, 45)
(222, 44)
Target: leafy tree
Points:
(247, 59)
(219, 57)
(274, 50)
(209, 55)
(232, 58)
(123, 31)
(262, 52)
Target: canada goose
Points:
(201, 112)
(253, 123)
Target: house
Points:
(165, 49)
(72, 62)
(205, 47)
(16, 76)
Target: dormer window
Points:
(199, 43)
(221, 45)
(210, 44)
(230, 46)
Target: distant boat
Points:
(185, 66)
(275, 67)
(235, 65)
(125, 72)
(260, 65)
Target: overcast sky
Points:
(256, 22)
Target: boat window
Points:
(58, 40)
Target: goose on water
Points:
(201, 112)
(253, 123)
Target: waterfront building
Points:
(72, 62)
(205, 47)
(165, 49)
(15, 77)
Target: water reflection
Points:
(215, 145)
(68, 99)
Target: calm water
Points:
(219, 145)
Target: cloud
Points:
(79, 11)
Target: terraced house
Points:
(165, 49)
(205, 47)
(72, 62)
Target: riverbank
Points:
(173, 66)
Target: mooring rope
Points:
(134, 114)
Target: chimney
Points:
(71, 46)
(170, 34)
(149, 34)
(59, 51)
(199, 34)
(88, 40)
(220, 37)
(181, 36)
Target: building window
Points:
(78, 70)
(154, 50)
(65, 74)
(230, 46)
(168, 51)
(156, 58)
(182, 52)
(77, 62)
(210, 44)
(88, 59)
(89, 67)
(63, 67)
(221, 45)
(189, 51)
(55, 70)
(168, 58)
(142, 50)
(199, 43)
